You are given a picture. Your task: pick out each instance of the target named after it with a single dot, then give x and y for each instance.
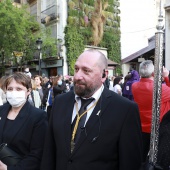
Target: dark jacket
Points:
(59, 89)
(163, 158)
(26, 135)
(118, 144)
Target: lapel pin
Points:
(98, 112)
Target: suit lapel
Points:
(101, 106)
(67, 124)
(3, 115)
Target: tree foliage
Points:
(74, 42)
(15, 28)
(80, 15)
(19, 32)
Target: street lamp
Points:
(39, 45)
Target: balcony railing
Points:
(49, 15)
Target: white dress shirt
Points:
(96, 96)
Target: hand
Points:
(3, 166)
(165, 72)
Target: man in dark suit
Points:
(110, 138)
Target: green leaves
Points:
(15, 28)
(74, 42)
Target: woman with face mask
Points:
(22, 126)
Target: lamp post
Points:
(39, 45)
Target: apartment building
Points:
(52, 14)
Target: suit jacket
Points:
(117, 131)
(25, 136)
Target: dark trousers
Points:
(146, 145)
(49, 111)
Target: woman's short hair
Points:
(146, 69)
(20, 78)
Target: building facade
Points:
(52, 14)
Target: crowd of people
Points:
(88, 121)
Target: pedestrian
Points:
(116, 85)
(22, 126)
(41, 89)
(127, 89)
(143, 96)
(108, 134)
(27, 72)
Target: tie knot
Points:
(86, 102)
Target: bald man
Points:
(110, 136)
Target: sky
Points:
(138, 23)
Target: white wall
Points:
(138, 23)
(167, 34)
(62, 11)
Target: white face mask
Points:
(59, 82)
(16, 98)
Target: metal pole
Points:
(40, 62)
(156, 104)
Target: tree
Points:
(74, 44)
(16, 30)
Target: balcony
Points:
(49, 15)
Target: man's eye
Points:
(76, 69)
(86, 71)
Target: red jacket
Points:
(143, 92)
(167, 81)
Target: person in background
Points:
(116, 85)
(46, 82)
(127, 89)
(34, 97)
(67, 86)
(111, 83)
(109, 134)
(27, 72)
(22, 126)
(60, 88)
(107, 82)
(40, 88)
(2, 93)
(127, 77)
(71, 83)
(143, 94)
(48, 98)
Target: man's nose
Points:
(78, 74)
